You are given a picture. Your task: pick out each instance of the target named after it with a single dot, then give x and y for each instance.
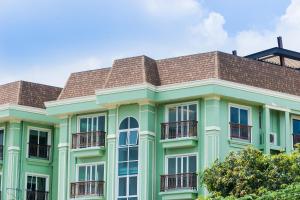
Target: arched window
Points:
(128, 142)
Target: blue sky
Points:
(45, 40)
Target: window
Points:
(296, 131)
(239, 123)
(90, 179)
(91, 123)
(181, 172)
(182, 122)
(1, 143)
(128, 159)
(39, 144)
(37, 188)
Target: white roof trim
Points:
(70, 101)
(23, 108)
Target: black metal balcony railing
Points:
(87, 188)
(37, 195)
(89, 139)
(39, 151)
(178, 181)
(171, 130)
(1, 153)
(296, 138)
(240, 131)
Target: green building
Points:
(145, 129)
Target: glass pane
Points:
(101, 123)
(192, 164)
(132, 198)
(94, 124)
(43, 138)
(133, 138)
(243, 117)
(81, 173)
(296, 126)
(89, 127)
(122, 186)
(124, 124)
(1, 136)
(83, 125)
(133, 153)
(179, 165)
(93, 173)
(193, 112)
(41, 183)
(123, 168)
(184, 165)
(133, 185)
(122, 138)
(234, 115)
(100, 172)
(133, 123)
(172, 114)
(29, 182)
(123, 154)
(133, 167)
(88, 173)
(33, 137)
(184, 113)
(171, 165)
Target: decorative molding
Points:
(212, 128)
(111, 136)
(70, 101)
(61, 145)
(13, 148)
(212, 97)
(150, 133)
(125, 89)
(23, 108)
(275, 107)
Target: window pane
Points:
(172, 114)
(184, 165)
(89, 127)
(81, 173)
(179, 165)
(184, 113)
(83, 125)
(41, 183)
(29, 182)
(171, 165)
(122, 186)
(133, 123)
(122, 138)
(179, 117)
(296, 126)
(133, 137)
(100, 172)
(234, 115)
(133, 153)
(95, 124)
(192, 164)
(33, 138)
(101, 123)
(123, 168)
(1, 136)
(133, 185)
(132, 198)
(193, 112)
(123, 154)
(93, 173)
(124, 124)
(133, 167)
(243, 116)
(43, 138)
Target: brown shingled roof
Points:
(142, 69)
(27, 94)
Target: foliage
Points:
(251, 172)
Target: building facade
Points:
(143, 129)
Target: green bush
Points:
(250, 172)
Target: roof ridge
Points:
(19, 91)
(143, 69)
(108, 75)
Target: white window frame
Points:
(90, 164)
(249, 118)
(117, 160)
(91, 116)
(47, 177)
(49, 139)
(181, 156)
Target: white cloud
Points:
(56, 75)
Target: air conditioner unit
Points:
(273, 138)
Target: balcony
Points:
(178, 186)
(296, 138)
(87, 188)
(39, 151)
(88, 144)
(37, 195)
(240, 132)
(179, 134)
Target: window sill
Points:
(89, 152)
(239, 143)
(94, 197)
(179, 142)
(178, 194)
(38, 161)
